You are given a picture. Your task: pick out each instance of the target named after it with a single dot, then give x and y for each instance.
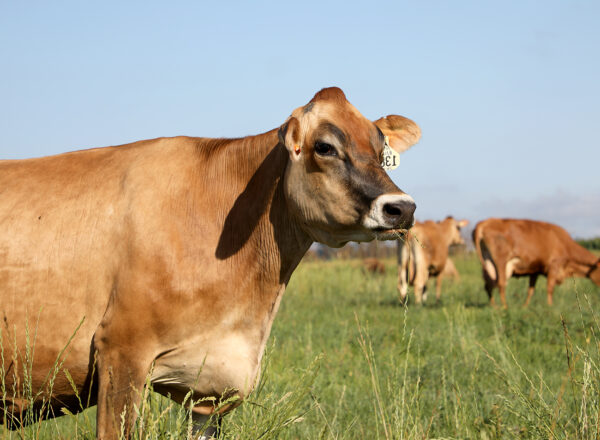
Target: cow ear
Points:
(463, 223)
(289, 135)
(401, 132)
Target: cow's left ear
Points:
(401, 132)
(463, 223)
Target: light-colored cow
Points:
(176, 253)
(424, 253)
(509, 247)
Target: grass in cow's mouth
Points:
(347, 361)
(390, 234)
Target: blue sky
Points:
(507, 93)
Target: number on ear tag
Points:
(390, 160)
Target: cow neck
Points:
(259, 229)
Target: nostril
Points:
(392, 210)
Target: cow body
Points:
(132, 250)
(509, 247)
(169, 257)
(425, 253)
(373, 266)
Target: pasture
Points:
(346, 361)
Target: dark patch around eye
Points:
(334, 130)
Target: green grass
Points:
(346, 361)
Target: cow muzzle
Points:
(390, 216)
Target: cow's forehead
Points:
(343, 115)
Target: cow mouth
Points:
(382, 234)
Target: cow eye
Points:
(324, 149)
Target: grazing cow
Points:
(508, 247)
(374, 266)
(424, 253)
(166, 259)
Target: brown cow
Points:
(508, 247)
(374, 266)
(424, 253)
(175, 252)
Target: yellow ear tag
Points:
(297, 149)
(390, 160)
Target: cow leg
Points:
(203, 428)
(502, 282)
(550, 288)
(121, 381)
(420, 283)
(424, 293)
(418, 293)
(489, 287)
(402, 284)
(122, 372)
(504, 273)
(502, 289)
(438, 287)
(531, 289)
(404, 270)
(490, 277)
(402, 291)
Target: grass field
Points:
(346, 361)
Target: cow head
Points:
(452, 228)
(334, 183)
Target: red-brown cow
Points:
(373, 266)
(424, 253)
(176, 251)
(508, 247)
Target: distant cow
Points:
(176, 251)
(374, 266)
(530, 248)
(424, 253)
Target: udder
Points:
(512, 266)
(213, 370)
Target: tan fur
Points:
(508, 247)
(425, 253)
(402, 132)
(174, 252)
(449, 271)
